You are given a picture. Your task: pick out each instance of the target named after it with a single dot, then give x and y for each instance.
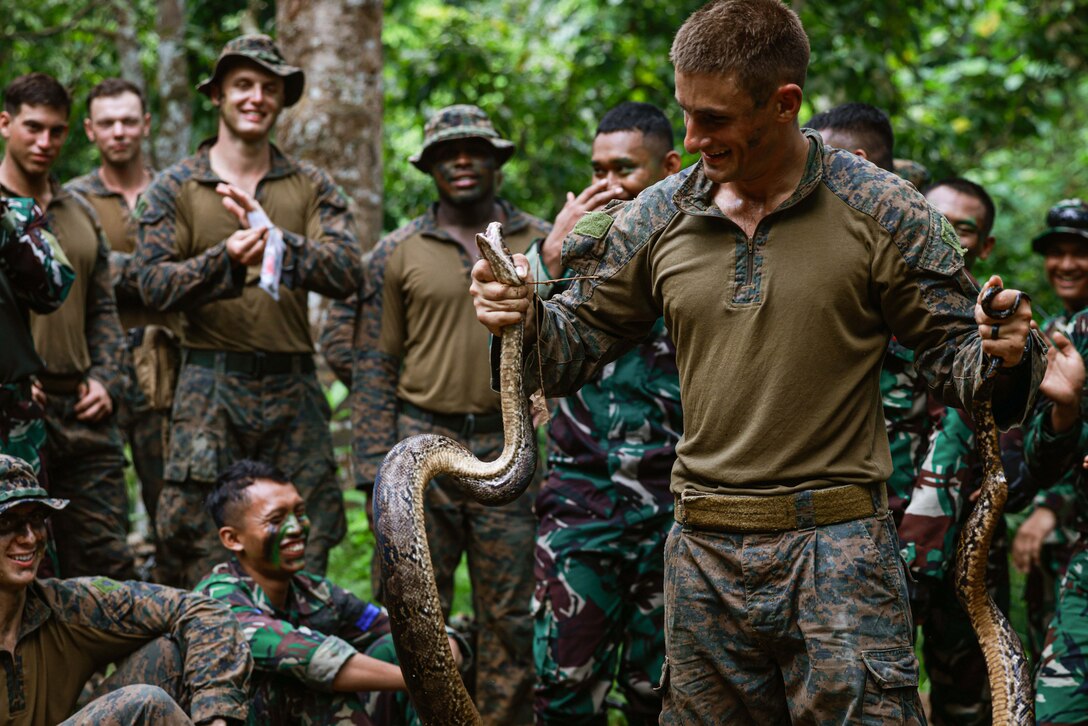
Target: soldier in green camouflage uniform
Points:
(421, 366)
(605, 508)
(181, 658)
(247, 387)
(312, 641)
(117, 123)
(34, 275)
(81, 343)
(1056, 450)
(781, 268)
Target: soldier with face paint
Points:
(321, 655)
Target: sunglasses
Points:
(17, 523)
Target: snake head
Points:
(495, 251)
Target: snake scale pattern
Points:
(1011, 689)
(415, 612)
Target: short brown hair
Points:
(36, 89)
(762, 42)
(113, 87)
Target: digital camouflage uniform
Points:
(82, 339)
(1062, 678)
(247, 387)
(778, 420)
(605, 510)
(144, 427)
(34, 275)
(298, 650)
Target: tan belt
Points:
(743, 514)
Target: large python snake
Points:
(1011, 688)
(408, 580)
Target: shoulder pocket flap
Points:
(893, 667)
(942, 252)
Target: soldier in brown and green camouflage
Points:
(181, 658)
(117, 123)
(782, 268)
(421, 366)
(81, 342)
(34, 275)
(247, 387)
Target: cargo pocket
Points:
(892, 667)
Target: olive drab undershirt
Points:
(779, 337)
(83, 336)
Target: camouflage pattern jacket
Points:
(72, 629)
(34, 275)
(769, 407)
(308, 641)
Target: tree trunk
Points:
(175, 109)
(128, 45)
(337, 124)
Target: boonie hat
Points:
(19, 485)
(462, 121)
(1067, 217)
(261, 50)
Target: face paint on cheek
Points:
(291, 527)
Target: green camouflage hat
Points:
(1067, 217)
(19, 485)
(460, 122)
(261, 50)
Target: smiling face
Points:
(967, 215)
(33, 138)
(736, 139)
(465, 171)
(116, 125)
(22, 544)
(625, 160)
(250, 100)
(269, 530)
(1066, 268)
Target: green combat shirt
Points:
(83, 337)
(780, 336)
(120, 228)
(182, 262)
(72, 629)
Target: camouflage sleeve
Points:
(376, 358)
(31, 257)
(302, 653)
(328, 260)
(126, 284)
(361, 623)
(166, 281)
(600, 318)
(930, 308)
(105, 337)
(929, 529)
(336, 337)
(216, 660)
(1051, 456)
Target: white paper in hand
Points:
(272, 262)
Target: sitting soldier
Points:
(321, 655)
(54, 634)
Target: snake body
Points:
(408, 580)
(1011, 689)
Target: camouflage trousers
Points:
(85, 463)
(145, 430)
(219, 418)
(1041, 593)
(810, 626)
(283, 701)
(498, 542)
(598, 609)
(959, 687)
(1062, 682)
(148, 687)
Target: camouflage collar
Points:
(35, 611)
(696, 194)
(306, 595)
(282, 164)
(55, 187)
(516, 220)
(94, 184)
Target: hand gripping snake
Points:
(1011, 689)
(408, 580)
